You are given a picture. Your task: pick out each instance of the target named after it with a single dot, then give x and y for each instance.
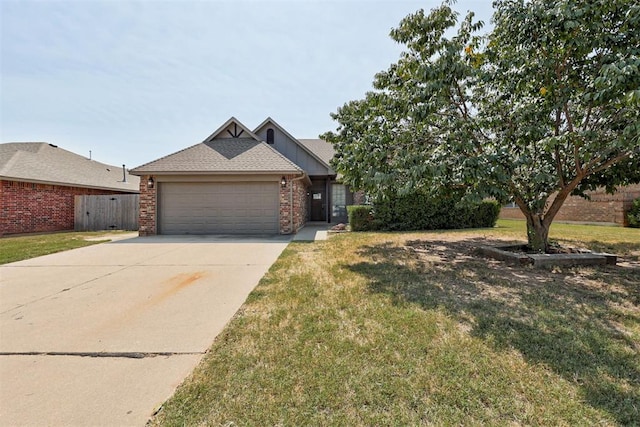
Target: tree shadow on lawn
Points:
(581, 322)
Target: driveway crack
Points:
(106, 354)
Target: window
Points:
(270, 136)
(339, 202)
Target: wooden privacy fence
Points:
(112, 212)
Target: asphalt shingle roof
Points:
(225, 155)
(45, 163)
(320, 148)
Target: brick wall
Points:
(608, 208)
(32, 208)
(293, 204)
(147, 213)
(299, 205)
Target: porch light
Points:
(150, 182)
(283, 182)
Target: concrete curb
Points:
(510, 254)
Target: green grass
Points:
(597, 238)
(18, 248)
(414, 329)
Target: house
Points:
(39, 181)
(601, 208)
(242, 181)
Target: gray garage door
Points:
(218, 208)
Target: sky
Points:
(132, 81)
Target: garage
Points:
(218, 208)
(231, 183)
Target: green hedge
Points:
(360, 218)
(633, 216)
(420, 212)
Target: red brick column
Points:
(293, 205)
(299, 204)
(148, 209)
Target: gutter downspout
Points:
(291, 201)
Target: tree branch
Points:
(558, 201)
(576, 158)
(587, 117)
(608, 163)
(559, 166)
(464, 103)
(567, 114)
(557, 150)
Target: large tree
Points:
(545, 105)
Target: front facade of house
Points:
(39, 183)
(239, 181)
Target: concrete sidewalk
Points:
(312, 232)
(103, 335)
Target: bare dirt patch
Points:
(459, 248)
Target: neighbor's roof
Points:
(45, 163)
(228, 155)
(321, 148)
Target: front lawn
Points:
(18, 248)
(414, 329)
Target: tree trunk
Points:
(537, 234)
(537, 226)
(539, 219)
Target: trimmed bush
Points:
(420, 212)
(360, 218)
(633, 216)
(486, 214)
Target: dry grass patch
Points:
(414, 329)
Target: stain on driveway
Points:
(102, 335)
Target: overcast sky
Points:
(136, 80)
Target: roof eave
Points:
(238, 172)
(68, 184)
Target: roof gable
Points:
(46, 163)
(232, 128)
(320, 158)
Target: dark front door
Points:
(318, 201)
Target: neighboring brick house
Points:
(239, 181)
(38, 183)
(602, 208)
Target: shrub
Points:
(633, 216)
(360, 218)
(486, 214)
(420, 212)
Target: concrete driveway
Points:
(104, 334)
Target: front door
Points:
(318, 201)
